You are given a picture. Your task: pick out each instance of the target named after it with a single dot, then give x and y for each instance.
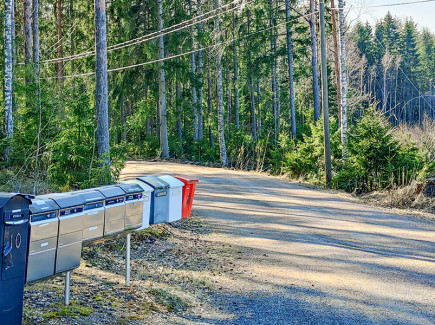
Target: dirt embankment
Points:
(175, 270)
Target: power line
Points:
(185, 53)
(401, 3)
(156, 34)
(391, 4)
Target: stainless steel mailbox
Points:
(114, 213)
(43, 234)
(133, 205)
(93, 214)
(71, 221)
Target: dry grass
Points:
(404, 197)
(423, 137)
(410, 196)
(175, 271)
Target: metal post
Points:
(67, 287)
(327, 137)
(127, 262)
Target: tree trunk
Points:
(277, 96)
(59, 43)
(193, 80)
(35, 33)
(236, 75)
(273, 67)
(164, 144)
(71, 8)
(229, 106)
(14, 47)
(101, 86)
(27, 31)
(8, 90)
(336, 59)
(277, 82)
(200, 79)
(290, 70)
(220, 94)
(326, 133)
(251, 85)
(210, 111)
(178, 104)
(259, 107)
(316, 88)
(343, 75)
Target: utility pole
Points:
(326, 137)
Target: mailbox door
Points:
(115, 212)
(44, 229)
(114, 226)
(69, 251)
(14, 246)
(94, 224)
(42, 257)
(161, 208)
(71, 222)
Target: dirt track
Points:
(309, 256)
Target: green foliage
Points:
(306, 158)
(376, 160)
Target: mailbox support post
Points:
(127, 261)
(67, 287)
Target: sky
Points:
(422, 13)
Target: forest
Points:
(88, 85)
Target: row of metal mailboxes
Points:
(61, 222)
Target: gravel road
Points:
(311, 257)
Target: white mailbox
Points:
(175, 197)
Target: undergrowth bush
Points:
(377, 160)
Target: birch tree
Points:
(101, 87)
(200, 78)
(290, 70)
(343, 74)
(35, 34)
(315, 73)
(193, 79)
(336, 58)
(210, 110)
(8, 67)
(164, 144)
(220, 93)
(178, 102)
(59, 43)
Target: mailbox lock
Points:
(18, 241)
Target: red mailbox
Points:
(188, 193)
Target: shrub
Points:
(376, 160)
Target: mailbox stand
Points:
(127, 261)
(67, 287)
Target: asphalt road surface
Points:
(309, 256)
